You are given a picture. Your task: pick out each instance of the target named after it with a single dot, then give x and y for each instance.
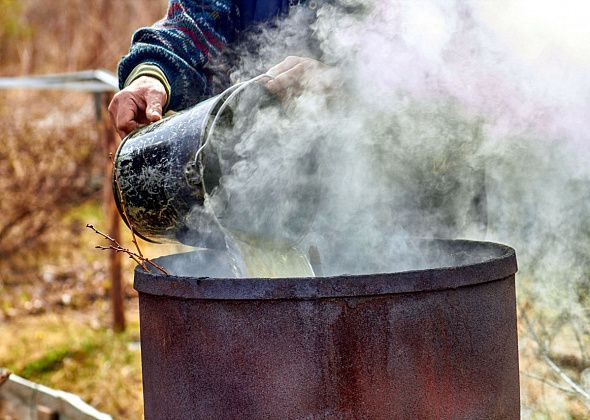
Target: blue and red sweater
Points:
(192, 32)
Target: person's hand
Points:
(137, 105)
(294, 74)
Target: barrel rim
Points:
(500, 266)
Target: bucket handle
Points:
(236, 89)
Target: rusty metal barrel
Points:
(435, 343)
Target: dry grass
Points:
(75, 351)
(56, 322)
(67, 35)
(51, 159)
(47, 165)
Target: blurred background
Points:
(55, 312)
(56, 315)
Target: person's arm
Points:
(180, 45)
(166, 61)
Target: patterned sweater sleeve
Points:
(180, 45)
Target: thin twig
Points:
(104, 235)
(548, 382)
(579, 341)
(127, 251)
(116, 246)
(581, 392)
(566, 378)
(138, 256)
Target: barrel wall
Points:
(438, 354)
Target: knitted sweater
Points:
(177, 48)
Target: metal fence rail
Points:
(96, 81)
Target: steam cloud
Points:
(433, 115)
(443, 118)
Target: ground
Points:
(75, 351)
(56, 331)
(55, 318)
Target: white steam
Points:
(437, 110)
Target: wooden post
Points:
(112, 218)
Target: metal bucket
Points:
(439, 343)
(163, 171)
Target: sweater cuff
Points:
(150, 70)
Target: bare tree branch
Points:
(542, 350)
(547, 382)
